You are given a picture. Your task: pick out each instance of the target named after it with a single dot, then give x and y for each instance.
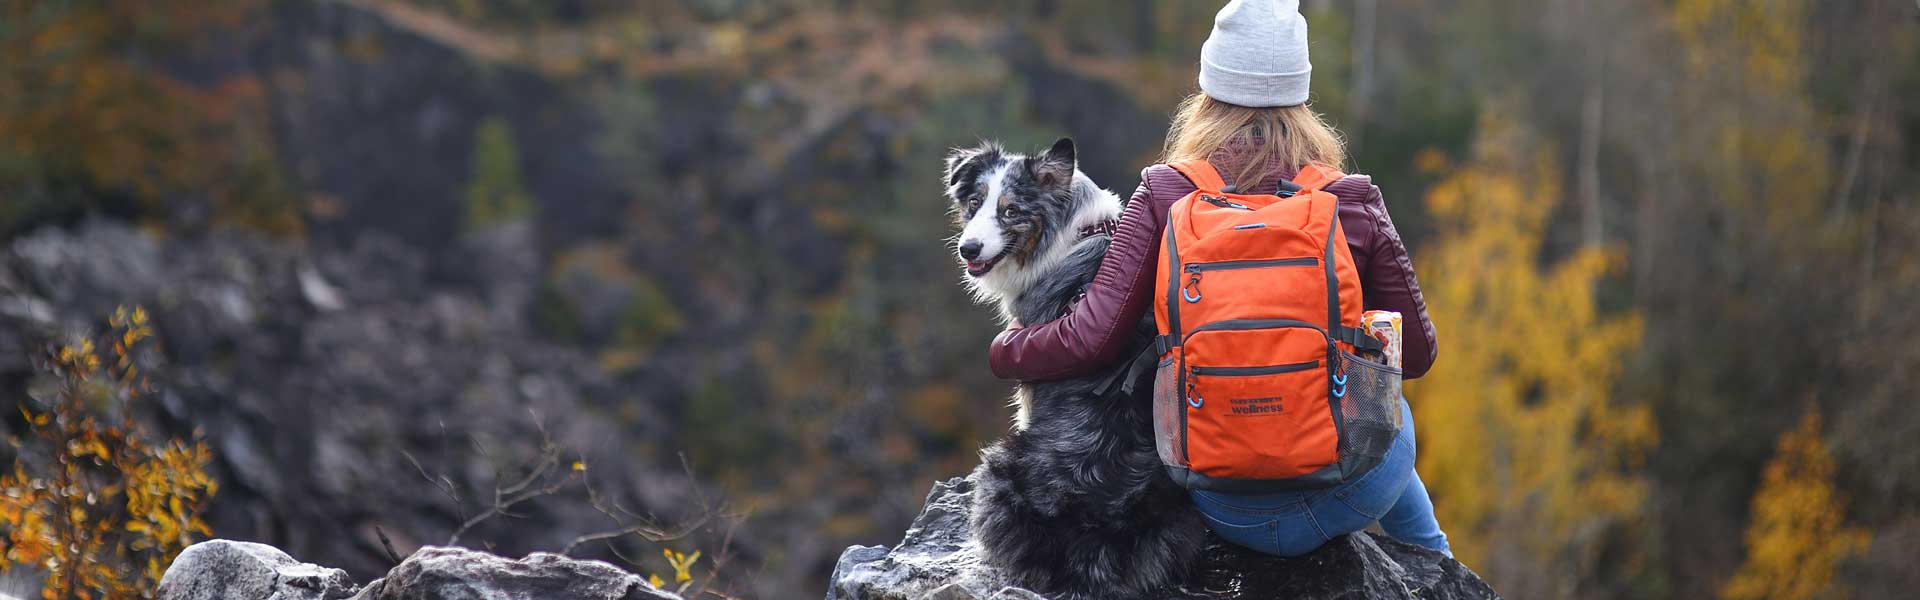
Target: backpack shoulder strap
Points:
(1313, 178)
(1316, 176)
(1201, 173)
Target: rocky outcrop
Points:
(229, 570)
(321, 376)
(936, 560)
(225, 570)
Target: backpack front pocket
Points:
(1256, 400)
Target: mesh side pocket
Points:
(1370, 411)
(1169, 432)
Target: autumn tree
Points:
(1798, 534)
(91, 121)
(94, 500)
(1527, 455)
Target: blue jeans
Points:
(1295, 523)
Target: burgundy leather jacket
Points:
(1098, 328)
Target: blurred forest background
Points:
(401, 253)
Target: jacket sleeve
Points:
(1100, 326)
(1389, 284)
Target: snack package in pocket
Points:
(1384, 325)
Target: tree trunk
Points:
(1592, 122)
(1359, 97)
(1592, 131)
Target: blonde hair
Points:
(1291, 135)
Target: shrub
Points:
(91, 500)
(1798, 535)
(495, 193)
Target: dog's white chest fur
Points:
(1004, 285)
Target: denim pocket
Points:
(1373, 506)
(1258, 535)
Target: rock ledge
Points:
(230, 570)
(937, 561)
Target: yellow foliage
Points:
(1759, 38)
(682, 565)
(1763, 136)
(1520, 444)
(98, 507)
(1798, 533)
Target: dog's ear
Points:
(1055, 166)
(964, 166)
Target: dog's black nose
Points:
(970, 250)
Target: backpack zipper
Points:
(1223, 202)
(1251, 264)
(1193, 394)
(1253, 371)
(1247, 324)
(1191, 291)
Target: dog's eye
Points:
(1010, 212)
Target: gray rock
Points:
(440, 573)
(936, 555)
(229, 570)
(937, 561)
(502, 261)
(318, 292)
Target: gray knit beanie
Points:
(1257, 54)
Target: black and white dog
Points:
(1073, 502)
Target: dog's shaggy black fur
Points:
(1075, 503)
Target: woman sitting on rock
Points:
(1252, 123)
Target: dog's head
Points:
(1007, 206)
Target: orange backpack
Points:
(1258, 388)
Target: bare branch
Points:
(387, 544)
(442, 483)
(645, 531)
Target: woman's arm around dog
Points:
(1099, 326)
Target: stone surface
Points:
(935, 553)
(937, 561)
(229, 570)
(436, 573)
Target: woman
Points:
(1251, 121)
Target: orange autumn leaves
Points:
(93, 503)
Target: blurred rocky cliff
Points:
(342, 391)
